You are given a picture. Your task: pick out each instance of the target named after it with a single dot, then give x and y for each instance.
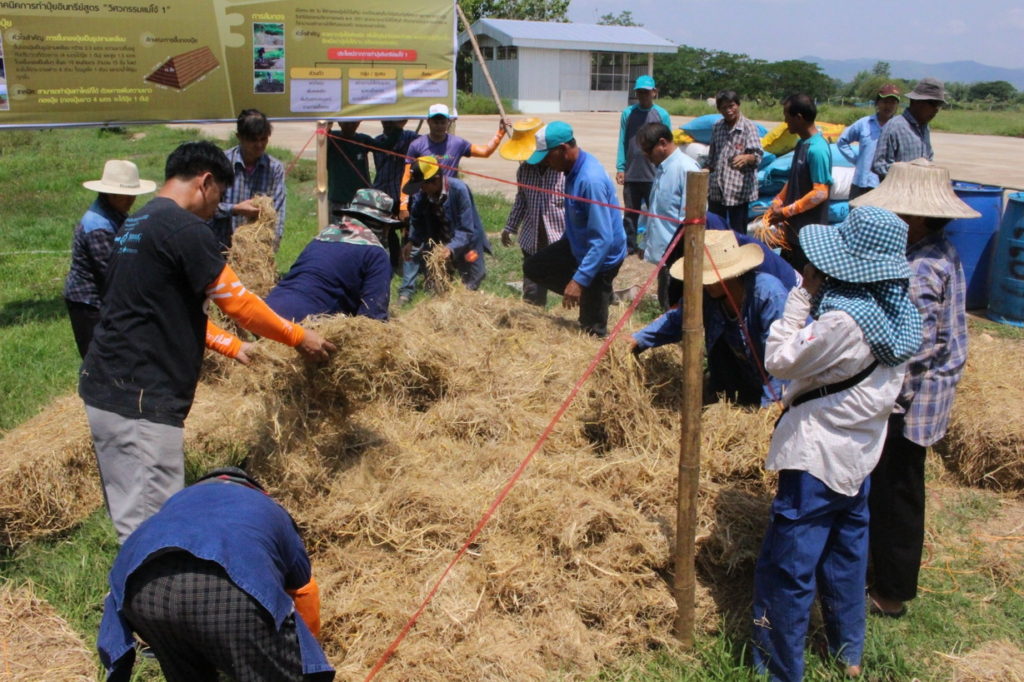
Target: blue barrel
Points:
(974, 238)
(1006, 302)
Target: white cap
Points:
(439, 110)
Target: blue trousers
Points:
(817, 540)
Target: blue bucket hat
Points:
(869, 246)
(865, 255)
(549, 137)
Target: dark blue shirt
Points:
(764, 303)
(456, 224)
(335, 277)
(239, 528)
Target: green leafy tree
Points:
(623, 18)
(882, 69)
(992, 91)
(528, 10)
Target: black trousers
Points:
(896, 502)
(84, 319)
(734, 216)
(553, 267)
(857, 190)
(634, 195)
(197, 622)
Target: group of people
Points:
(858, 330)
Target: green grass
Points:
(1008, 123)
(962, 604)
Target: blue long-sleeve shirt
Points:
(667, 200)
(335, 277)
(865, 132)
(242, 530)
(764, 303)
(595, 233)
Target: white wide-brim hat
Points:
(917, 188)
(120, 177)
(724, 258)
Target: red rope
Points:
(514, 478)
(334, 140)
(301, 152)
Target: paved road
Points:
(984, 159)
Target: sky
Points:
(986, 31)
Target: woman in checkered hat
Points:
(843, 342)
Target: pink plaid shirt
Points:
(533, 209)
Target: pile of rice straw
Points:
(37, 643)
(252, 249)
(388, 455)
(985, 442)
(47, 473)
(998, 661)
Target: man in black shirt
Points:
(140, 374)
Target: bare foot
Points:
(853, 671)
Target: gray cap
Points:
(929, 89)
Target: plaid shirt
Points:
(902, 139)
(533, 209)
(90, 252)
(938, 288)
(727, 185)
(267, 178)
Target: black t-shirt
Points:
(145, 356)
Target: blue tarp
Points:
(700, 128)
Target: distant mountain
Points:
(964, 72)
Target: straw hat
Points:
(869, 246)
(521, 144)
(917, 188)
(120, 177)
(724, 258)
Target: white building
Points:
(546, 67)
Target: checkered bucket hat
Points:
(865, 257)
(372, 203)
(869, 246)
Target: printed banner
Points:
(75, 63)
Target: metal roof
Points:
(591, 37)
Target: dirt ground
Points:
(985, 159)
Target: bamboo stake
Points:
(483, 64)
(322, 212)
(683, 579)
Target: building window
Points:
(487, 51)
(507, 52)
(615, 70)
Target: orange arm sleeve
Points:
(221, 341)
(482, 151)
(307, 603)
(404, 203)
(818, 194)
(780, 198)
(249, 310)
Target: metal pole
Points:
(684, 579)
(483, 64)
(322, 212)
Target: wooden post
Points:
(683, 580)
(480, 58)
(323, 214)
